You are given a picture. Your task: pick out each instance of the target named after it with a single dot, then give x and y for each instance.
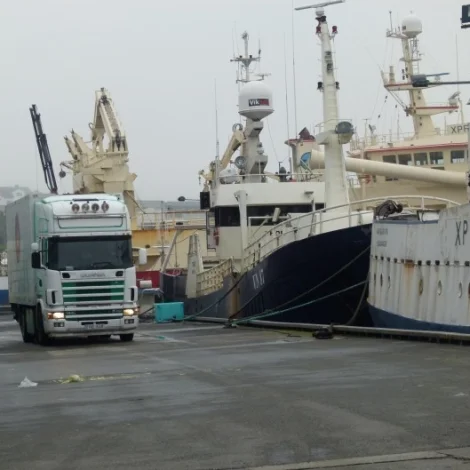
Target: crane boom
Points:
(107, 123)
(43, 148)
(101, 164)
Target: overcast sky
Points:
(159, 60)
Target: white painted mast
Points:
(245, 61)
(335, 133)
(417, 107)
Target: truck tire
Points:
(127, 337)
(40, 335)
(27, 337)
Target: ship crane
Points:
(43, 148)
(101, 164)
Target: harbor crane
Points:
(101, 164)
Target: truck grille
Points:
(87, 293)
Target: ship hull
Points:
(294, 279)
(383, 319)
(219, 304)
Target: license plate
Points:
(92, 326)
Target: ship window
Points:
(460, 289)
(437, 158)
(390, 159)
(227, 216)
(457, 156)
(421, 158)
(405, 159)
(439, 288)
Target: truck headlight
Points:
(55, 316)
(128, 312)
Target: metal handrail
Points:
(358, 143)
(212, 279)
(252, 254)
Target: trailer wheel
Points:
(27, 337)
(40, 335)
(127, 337)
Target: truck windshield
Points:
(80, 253)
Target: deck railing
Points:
(213, 279)
(322, 221)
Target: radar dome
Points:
(411, 26)
(228, 176)
(255, 101)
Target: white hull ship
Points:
(420, 267)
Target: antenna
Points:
(245, 61)
(293, 70)
(217, 146)
(320, 5)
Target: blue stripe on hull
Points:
(383, 319)
(295, 269)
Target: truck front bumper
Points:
(64, 327)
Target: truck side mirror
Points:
(142, 256)
(36, 260)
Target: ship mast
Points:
(417, 107)
(245, 61)
(336, 133)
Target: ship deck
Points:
(199, 397)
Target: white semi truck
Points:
(70, 267)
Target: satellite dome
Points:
(255, 101)
(228, 175)
(411, 26)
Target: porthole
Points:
(375, 279)
(421, 286)
(381, 280)
(460, 291)
(439, 288)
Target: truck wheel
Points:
(27, 337)
(127, 337)
(40, 335)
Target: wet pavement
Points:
(201, 397)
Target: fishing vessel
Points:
(398, 163)
(420, 265)
(320, 256)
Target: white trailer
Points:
(70, 267)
